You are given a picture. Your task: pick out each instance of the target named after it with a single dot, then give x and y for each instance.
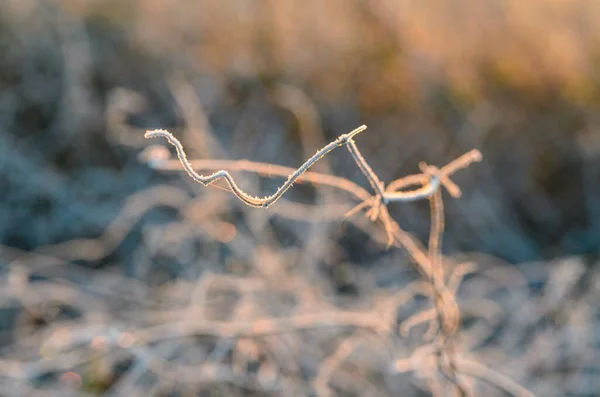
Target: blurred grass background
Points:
(431, 79)
(80, 81)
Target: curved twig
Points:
(262, 169)
(252, 201)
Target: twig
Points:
(252, 201)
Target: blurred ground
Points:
(80, 81)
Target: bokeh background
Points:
(92, 236)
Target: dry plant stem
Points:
(418, 362)
(389, 194)
(425, 191)
(435, 236)
(359, 207)
(443, 299)
(252, 201)
(406, 241)
(443, 174)
(492, 377)
(263, 327)
(365, 168)
(447, 311)
(407, 181)
(418, 194)
(428, 261)
(269, 170)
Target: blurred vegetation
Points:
(517, 79)
(81, 80)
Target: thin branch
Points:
(503, 382)
(365, 168)
(262, 169)
(251, 201)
